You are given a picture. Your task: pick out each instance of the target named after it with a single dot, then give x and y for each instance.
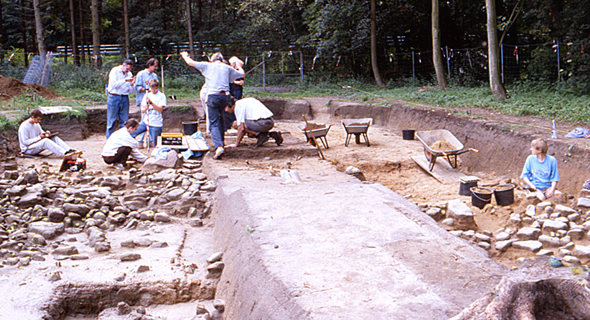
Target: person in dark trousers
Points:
(120, 145)
(254, 119)
(217, 79)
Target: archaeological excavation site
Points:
(365, 211)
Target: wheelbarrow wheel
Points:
(431, 159)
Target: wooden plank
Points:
(442, 171)
(196, 144)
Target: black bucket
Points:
(504, 196)
(190, 127)
(480, 199)
(408, 134)
(465, 187)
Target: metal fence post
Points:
(301, 65)
(502, 60)
(413, 67)
(448, 60)
(558, 63)
(263, 72)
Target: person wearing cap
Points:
(33, 139)
(142, 86)
(254, 119)
(121, 82)
(217, 79)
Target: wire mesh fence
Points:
(290, 68)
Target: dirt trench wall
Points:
(501, 151)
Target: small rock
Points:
(503, 245)
(545, 252)
(549, 241)
(159, 244)
(502, 236)
(576, 234)
(143, 242)
(448, 221)
(143, 268)
(583, 203)
(549, 225)
(11, 261)
(130, 256)
(564, 210)
(79, 257)
(215, 257)
(65, 251)
(195, 223)
(55, 276)
(123, 308)
(219, 305)
(120, 277)
(530, 211)
(161, 217)
(571, 259)
(528, 233)
(216, 267)
(462, 214)
(102, 246)
(128, 244)
(56, 214)
(530, 245)
(209, 186)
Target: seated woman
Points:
(120, 145)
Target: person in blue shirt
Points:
(540, 172)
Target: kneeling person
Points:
(33, 140)
(152, 105)
(120, 145)
(253, 118)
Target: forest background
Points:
(319, 44)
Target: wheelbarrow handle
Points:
(474, 150)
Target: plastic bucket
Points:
(465, 187)
(504, 194)
(481, 196)
(408, 134)
(190, 127)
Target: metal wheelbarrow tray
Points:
(357, 127)
(319, 133)
(429, 137)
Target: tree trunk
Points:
(126, 26)
(24, 31)
(200, 20)
(39, 29)
(374, 63)
(73, 30)
(96, 34)
(189, 21)
(2, 36)
(436, 54)
(81, 22)
(494, 52)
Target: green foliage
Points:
(68, 76)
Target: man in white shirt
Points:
(121, 82)
(33, 140)
(142, 86)
(217, 78)
(253, 118)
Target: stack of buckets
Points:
(503, 193)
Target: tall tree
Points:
(81, 23)
(494, 52)
(126, 26)
(436, 53)
(73, 30)
(96, 33)
(2, 36)
(39, 29)
(189, 21)
(374, 62)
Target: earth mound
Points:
(10, 88)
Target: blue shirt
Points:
(142, 76)
(217, 75)
(541, 174)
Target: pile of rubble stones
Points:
(38, 205)
(545, 228)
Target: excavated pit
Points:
(503, 154)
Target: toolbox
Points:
(77, 164)
(174, 139)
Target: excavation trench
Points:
(330, 247)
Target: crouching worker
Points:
(120, 145)
(540, 172)
(253, 118)
(33, 140)
(152, 106)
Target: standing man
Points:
(217, 79)
(33, 140)
(142, 86)
(121, 82)
(253, 118)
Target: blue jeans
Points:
(154, 133)
(216, 104)
(117, 108)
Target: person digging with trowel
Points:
(254, 119)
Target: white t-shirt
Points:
(250, 109)
(154, 118)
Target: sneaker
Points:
(262, 138)
(70, 151)
(277, 136)
(218, 153)
(119, 166)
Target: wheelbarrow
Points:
(357, 127)
(454, 146)
(318, 133)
